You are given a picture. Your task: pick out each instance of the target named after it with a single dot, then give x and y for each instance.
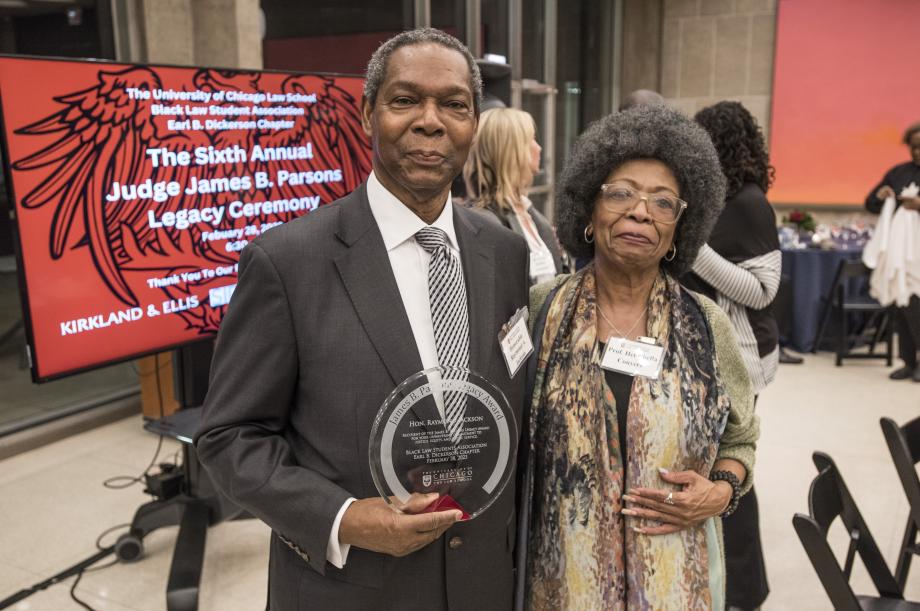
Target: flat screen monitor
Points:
(135, 187)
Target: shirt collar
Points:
(397, 223)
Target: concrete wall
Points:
(221, 33)
(699, 52)
(641, 45)
(713, 50)
(168, 32)
(228, 33)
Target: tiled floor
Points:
(817, 406)
(53, 506)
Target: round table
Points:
(807, 278)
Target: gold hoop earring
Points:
(672, 252)
(589, 234)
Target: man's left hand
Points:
(697, 500)
(911, 203)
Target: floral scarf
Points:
(581, 554)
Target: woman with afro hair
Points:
(641, 429)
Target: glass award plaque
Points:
(444, 430)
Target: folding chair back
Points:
(904, 446)
(828, 499)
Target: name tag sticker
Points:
(633, 358)
(514, 340)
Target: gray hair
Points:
(377, 66)
(644, 132)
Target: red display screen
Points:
(135, 188)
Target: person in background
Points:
(907, 319)
(503, 161)
(641, 97)
(630, 465)
(739, 267)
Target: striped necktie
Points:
(449, 317)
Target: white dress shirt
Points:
(398, 226)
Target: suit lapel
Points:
(478, 257)
(368, 278)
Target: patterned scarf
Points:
(581, 554)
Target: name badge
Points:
(514, 339)
(542, 264)
(642, 358)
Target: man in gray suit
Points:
(330, 313)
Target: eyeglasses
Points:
(621, 198)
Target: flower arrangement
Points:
(802, 220)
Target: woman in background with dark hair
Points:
(739, 268)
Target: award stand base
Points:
(446, 503)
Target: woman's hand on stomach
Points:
(697, 500)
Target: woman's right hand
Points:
(884, 192)
(698, 499)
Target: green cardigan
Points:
(739, 441)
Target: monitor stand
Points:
(198, 505)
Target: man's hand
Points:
(911, 203)
(397, 529)
(884, 192)
(698, 500)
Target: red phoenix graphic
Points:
(136, 187)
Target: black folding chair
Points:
(839, 304)
(904, 445)
(828, 499)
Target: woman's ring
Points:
(670, 498)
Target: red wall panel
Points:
(845, 87)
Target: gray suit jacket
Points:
(314, 339)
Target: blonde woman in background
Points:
(503, 161)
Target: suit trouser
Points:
(907, 326)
